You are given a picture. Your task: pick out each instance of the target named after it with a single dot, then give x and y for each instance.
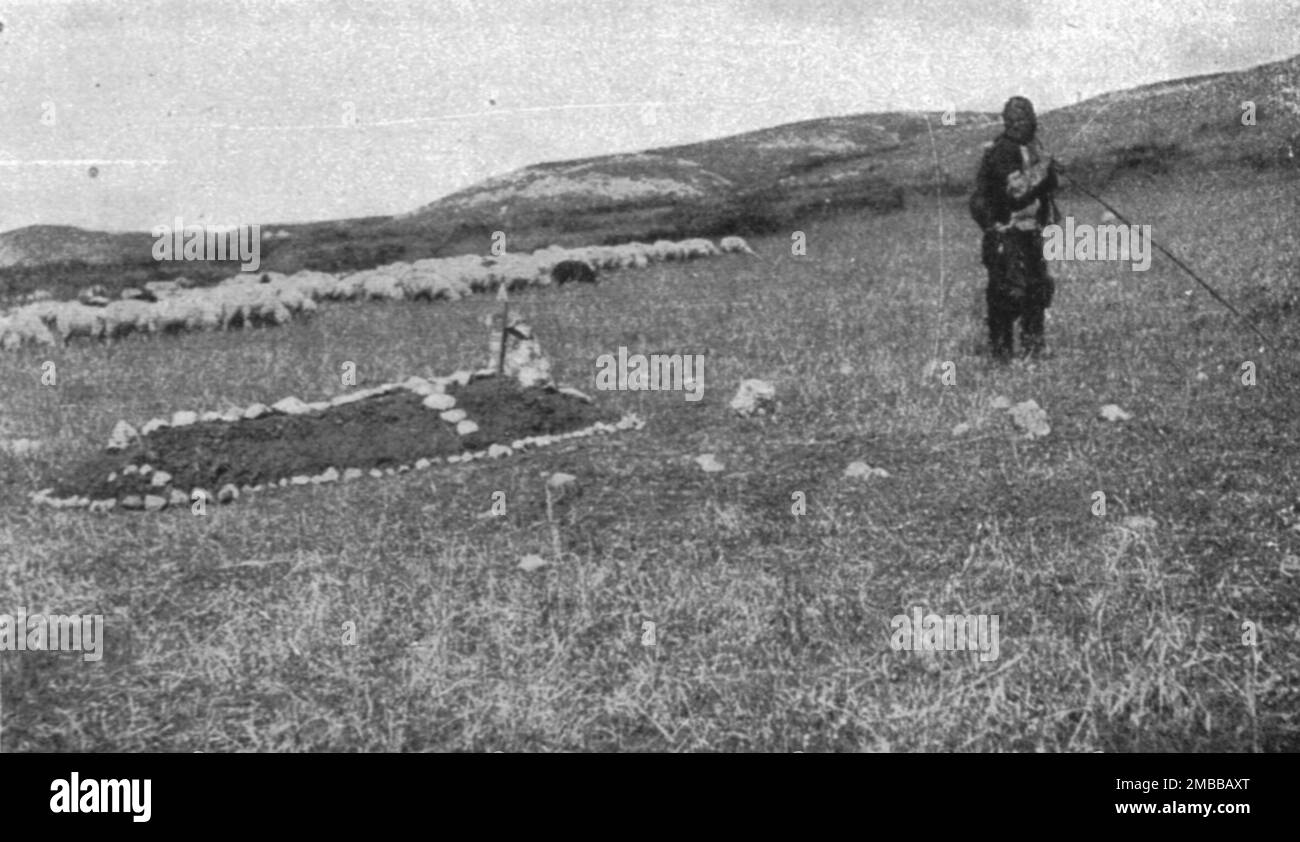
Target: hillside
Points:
(748, 183)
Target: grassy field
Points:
(224, 632)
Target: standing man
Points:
(1012, 202)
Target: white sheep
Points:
(382, 286)
(125, 317)
(697, 247)
(10, 338)
(735, 244)
(27, 324)
(75, 319)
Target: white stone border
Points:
(169, 495)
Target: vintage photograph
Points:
(571, 376)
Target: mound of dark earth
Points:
(384, 433)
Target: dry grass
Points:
(224, 632)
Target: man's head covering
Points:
(1019, 119)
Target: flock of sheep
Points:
(271, 298)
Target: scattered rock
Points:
(184, 417)
(421, 464)
(154, 503)
(256, 410)
(559, 481)
(1138, 523)
(291, 406)
(754, 397)
(176, 497)
(329, 475)
(210, 416)
(861, 470)
(123, 436)
(160, 478)
(100, 506)
(228, 493)
(439, 401)
(153, 424)
(498, 451)
(232, 415)
(466, 428)
(1112, 412)
(353, 473)
(708, 463)
(531, 562)
(1031, 418)
(300, 479)
(133, 501)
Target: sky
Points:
(126, 114)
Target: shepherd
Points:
(1012, 202)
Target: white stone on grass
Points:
(439, 401)
(1112, 412)
(183, 418)
(290, 406)
(498, 451)
(160, 478)
(1031, 418)
(454, 416)
(154, 503)
(153, 424)
(1138, 523)
(255, 410)
(228, 493)
(123, 436)
(708, 463)
(466, 428)
(531, 562)
(861, 470)
(353, 473)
